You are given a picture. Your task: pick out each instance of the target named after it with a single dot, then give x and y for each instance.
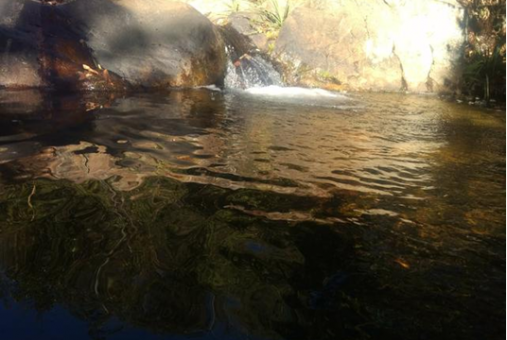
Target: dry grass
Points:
(218, 10)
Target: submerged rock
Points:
(107, 45)
(375, 45)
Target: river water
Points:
(260, 214)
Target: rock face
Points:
(39, 47)
(375, 45)
(151, 43)
(242, 23)
(121, 43)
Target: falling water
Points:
(251, 71)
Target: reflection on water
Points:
(232, 215)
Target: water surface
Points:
(228, 215)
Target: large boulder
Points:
(375, 45)
(40, 48)
(151, 42)
(107, 45)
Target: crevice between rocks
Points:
(404, 84)
(430, 82)
(387, 3)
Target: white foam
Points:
(213, 88)
(293, 92)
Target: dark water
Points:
(209, 215)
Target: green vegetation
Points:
(80, 243)
(272, 13)
(171, 257)
(483, 73)
(276, 13)
(484, 59)
(235, 5)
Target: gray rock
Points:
(151, 43)
(375, 45)
(242, 23)
(19, 64)
(40, 48)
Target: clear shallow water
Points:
(243, 215)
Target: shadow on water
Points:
(222, 215)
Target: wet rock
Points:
(237, 43)
(20, 104)
(248, 65)
(242, 23)
(107, 45)
(40, 48)
(19, 65)
(374, 45)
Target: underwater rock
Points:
(107, 45)
(374, 45)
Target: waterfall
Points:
(256, 76)
(250, 71)
(246, 66)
